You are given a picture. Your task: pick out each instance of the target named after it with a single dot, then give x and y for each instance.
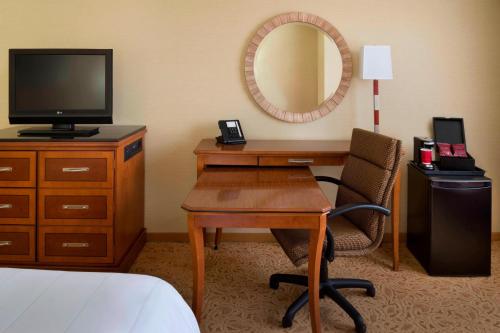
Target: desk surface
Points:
(276, 147)
(248, 189)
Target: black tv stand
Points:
(59, 130)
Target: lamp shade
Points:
(376, 62)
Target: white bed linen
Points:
(45, 301)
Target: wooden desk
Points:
(257, 198)
(290, 153)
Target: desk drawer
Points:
(17, 168)
(75, 207)
(299, 160)
(68, 245)
(76, 169)
(17, 206)
(231, 160)
(17, 243)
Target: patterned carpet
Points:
(238, 298)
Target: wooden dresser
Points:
(72, 203)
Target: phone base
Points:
(220, 140)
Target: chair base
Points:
(328, 287)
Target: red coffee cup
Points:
(425, 155)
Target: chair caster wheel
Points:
(361, 328)
(273, 284)
(216, 247)
(286, 322)
(370, 292)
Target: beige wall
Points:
(178, 69)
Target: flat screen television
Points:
(62, 87)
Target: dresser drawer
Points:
(76, 169)
(17, 243)
(17, 206)
(230, 160)
(75, 207)
(299, 160)
(17, 169)
(69, 245)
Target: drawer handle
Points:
(82, 169)
(75, 244)
(5, 206)
(5, 243)
(75, 206)
(5, 169)
(300, 161)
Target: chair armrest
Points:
(329, 251)
(328, 180)
(355, 206)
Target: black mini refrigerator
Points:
(449, 223)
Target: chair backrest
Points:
(368, 176)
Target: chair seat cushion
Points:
(348, 239)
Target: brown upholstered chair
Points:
(355, 226)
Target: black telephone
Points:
(232, 133)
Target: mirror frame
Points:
(332, 101)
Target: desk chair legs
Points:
(328, 287)
(275, 280)
(347, 307)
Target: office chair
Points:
(355, 226)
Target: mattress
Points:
(45, 301)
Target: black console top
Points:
(106, 134)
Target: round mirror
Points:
(298, 67)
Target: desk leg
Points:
(218, 237)
(200, 165)
(198, 253)
(316, 238)
(396, 214)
